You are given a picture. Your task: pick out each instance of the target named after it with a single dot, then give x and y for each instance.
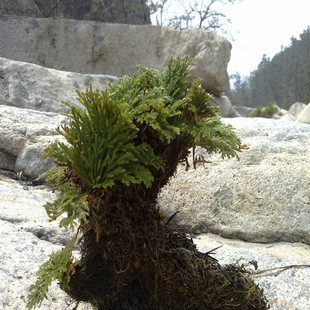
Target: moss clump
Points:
(121, 149)
(267, 112)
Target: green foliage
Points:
(284, 78)
(101, 148)
(56, 268)
(155, 98)
(268, 112)
(69, 201)
(54, 175)
(167, 103)
(219, 138)
(99, 152)
(125, 139)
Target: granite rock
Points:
(285, 289)
(304, 115)
(24, 135)
(243, 111)
(26, 85)
(113, 49)
(264, 197)
(225, 107)
(296, 108)
(27, 238)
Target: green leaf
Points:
(53, 269)
(69, 201)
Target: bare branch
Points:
(196, 14)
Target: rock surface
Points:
(282, 113)
(24, 135)
(304, 115)
(243, 111)
(27, 238)
(225, 107)
(285, 289)
(296, 108)
(30, 86)
(264, 197)
(29, 96)
(113, 49)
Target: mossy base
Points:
(151, 266)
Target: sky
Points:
(260, 27)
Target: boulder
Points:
(113, 49)
(30, 86)
(7, 161)
(296, 108)
(281, 113)
(29, 97)
(225, 107)
(287, 117)
(304, 115)
(24, 135)
(21, 205)
(27, 238)
(243, 111)
(263, 197)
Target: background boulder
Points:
(304, 115)
(25, 85)
(113, 49)
(296, 108)
(225, 107)
(24, 135)
(264, 197)
(243, 111)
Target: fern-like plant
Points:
(120, 150)
(267, 112)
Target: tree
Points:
(158, 7)
(239, 94)
(306, 97)
(121, 149)
(116, 11)
(192, 14)
(121, 11)
(284, 78)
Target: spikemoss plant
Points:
(120, 150)
(267, 112)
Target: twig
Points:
(212, 251)
(171, 217)
(279, 268)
